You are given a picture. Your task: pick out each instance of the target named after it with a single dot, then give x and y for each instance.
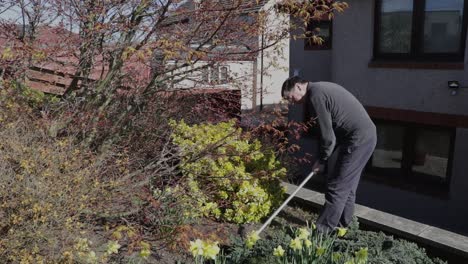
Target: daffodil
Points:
(361, 255)
(145, 253)
(307, 243)
(296, 244)
(303, 233)
(342, 231)
(252, 238)
(210, 250)
(336, 257)
(113, 247)
(278, 251)
(319, 251)
(196, 247)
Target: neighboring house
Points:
(258, 76)
(55, 73)
(397, 58)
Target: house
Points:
(258, 75)
(406, 61)
(55, 71)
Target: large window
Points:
(414, 156)
(321, 29)
(420, 30)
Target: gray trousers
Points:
(342, 184)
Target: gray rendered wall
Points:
(312, 65)
(412, 89)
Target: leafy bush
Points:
(52, 192)
(48, 187)
(228, 175)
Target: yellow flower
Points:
(307, 243)
(336, 257)
(196, 247)
(92, 258)
(144, 253)
(210, 250)
(361, 255)
(113, 247)
(252, 238)
(296, 244)
(342, 231)
(319, 251)
(278, 252)
(67, 255)
(303, 233)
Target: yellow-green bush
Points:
(228, 174)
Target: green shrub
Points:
(228, 175)
(384, 249)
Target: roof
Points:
(241, 44)
(184, 12)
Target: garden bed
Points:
(381, 248)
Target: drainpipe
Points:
(254, 87)
(261, 73)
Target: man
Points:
(342, 122)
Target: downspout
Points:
(261, 73)
(254, 87)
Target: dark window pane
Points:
(214, 74)
(396, 26)
(223, 74)
(442, 26)
(320, 29)
(388, 152)
(432, 148)
(324, 31)
(205, 75)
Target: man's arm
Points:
(328, 139)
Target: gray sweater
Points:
(340, 116)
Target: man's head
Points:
(294, 89)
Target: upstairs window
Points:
(215, 75)
(420, 30)
(322, 29)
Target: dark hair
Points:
(288, 85)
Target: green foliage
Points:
(384, 249)
(292, 246)
(228, 174)
(301, 245)
(288, 245)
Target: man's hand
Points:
(318, 167)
